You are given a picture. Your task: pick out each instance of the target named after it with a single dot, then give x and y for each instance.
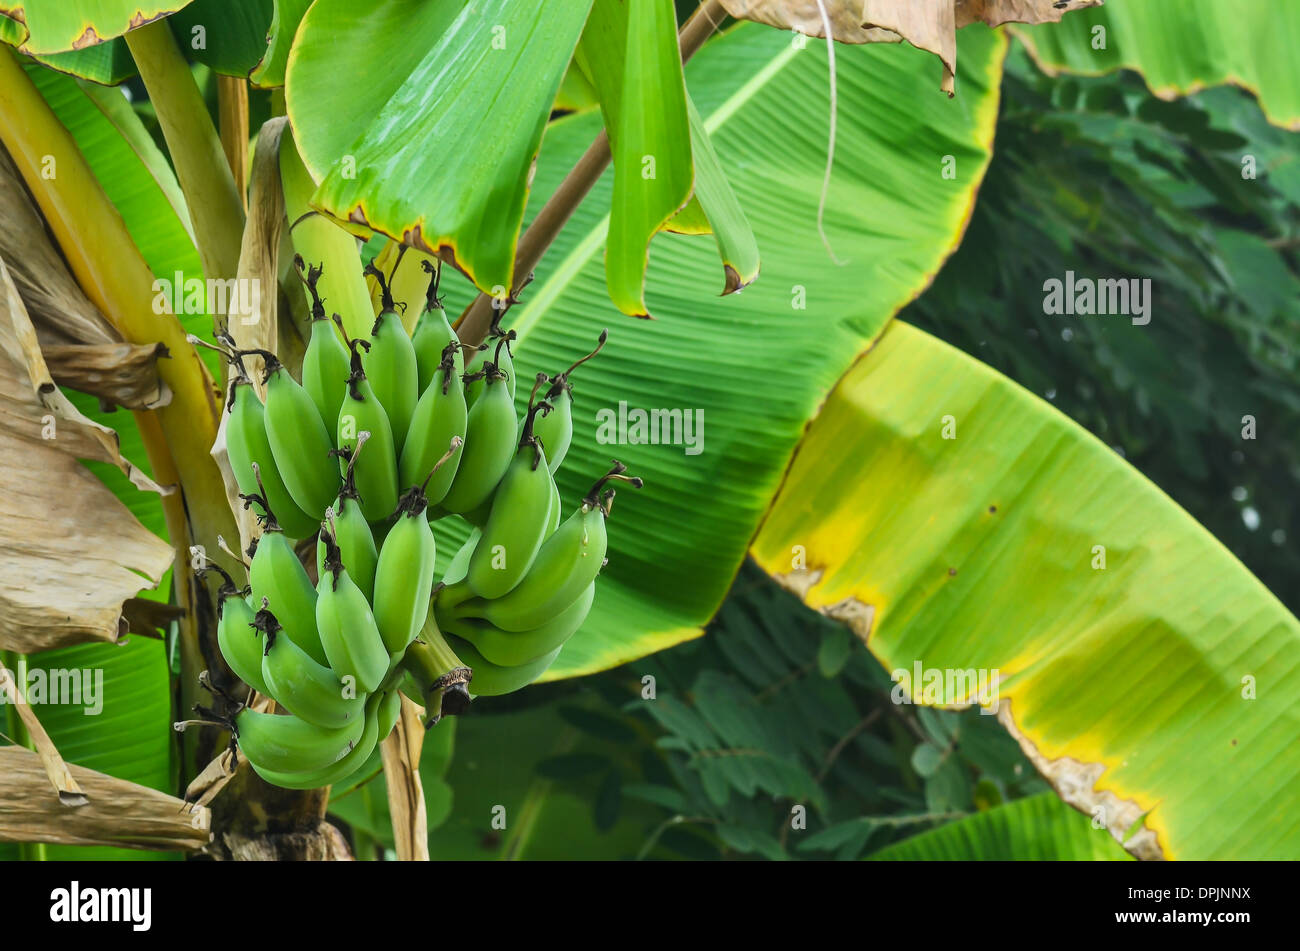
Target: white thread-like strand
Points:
(830, 145)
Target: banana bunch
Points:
(381, 436)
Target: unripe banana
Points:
(491, 680)
(391, 365)
(325, 363)
(498, 345)
(239, 640)
(518, 523)
(439, 415)
(277, 576)
(305, 688)
(337, 771)
(568, 562)
(290, 744)
(389, 709)
(433, 334)
(459, 564)
(375, 476)
(404, 578)
(352, 532)
(347, 626)
(247, 444)
(555, 427)
(515, 648)
(489, 446)
(299, 440)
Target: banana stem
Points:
(196, 150)
(442, 675)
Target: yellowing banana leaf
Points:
(107, 63)
(41, 26)
(929, 25)
(750, 368)
(417, 161)
(958, 522)
(630, 53)
(1037, 828)
(1182, 47)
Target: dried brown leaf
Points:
(120, 374)
(118, 813)
(929, 25)
(401, 756)
(56, 769)
(61, 312)
(70, 552)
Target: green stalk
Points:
(196, 151)
(17, 731)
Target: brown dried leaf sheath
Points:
(401, 756)
(118, 812)
(929, 25)
(70, 552)
(69, 793)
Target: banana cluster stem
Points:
(439, 672)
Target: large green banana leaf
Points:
(401, 140)
(1037, 828)
(43, 26)
(753, 366)
(630, 54)
(1185, 46)
(958, 522)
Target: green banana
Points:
(555, 427)
(302, 686)
(299, 440)
(278, 577)
(556, 507)
(355, 539)
(347, 626)
(520, 517)
(389, 709)
(503, 359)
(489, 446)
(491, 680)
(340, 769)
(566, 564)
(439, 415)
(404, 576)
(433, 334)
(375, 477)
(391, 364)
(459, 564)
(515, 648)
(240, 642)
(290, 744)
(247, 444)
(325, 363)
